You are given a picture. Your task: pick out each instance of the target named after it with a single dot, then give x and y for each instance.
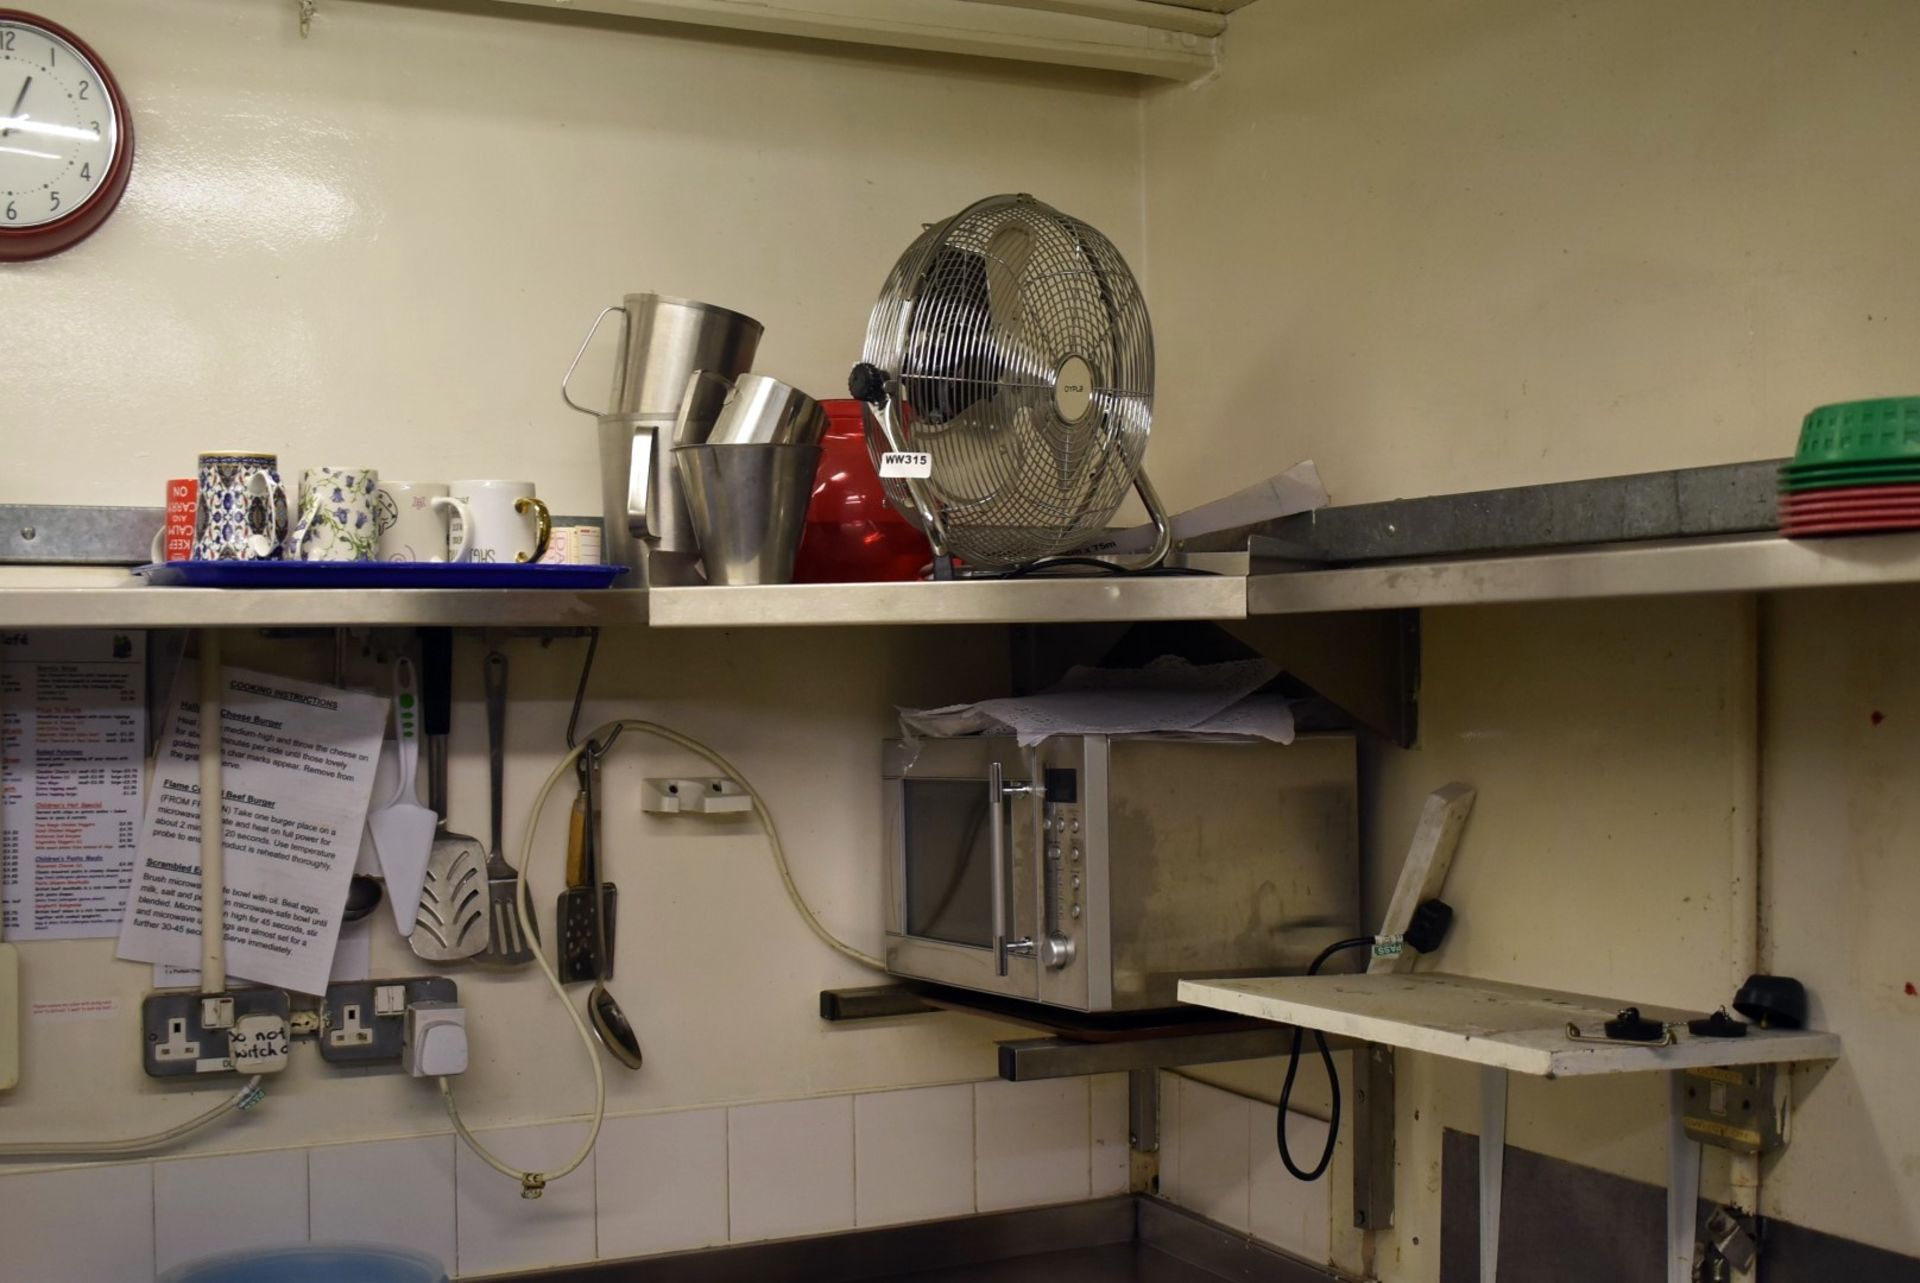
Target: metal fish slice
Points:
(452, 922)
(453, 902)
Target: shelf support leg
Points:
(1143, 1110)
(1683, 1184)
(1493, 1161)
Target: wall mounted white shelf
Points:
(1506, 1029)
(1502, 1026)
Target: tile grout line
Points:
(726, 1152)
(853, 1158)
(975, 1093)
(153, 1211)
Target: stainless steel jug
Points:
(663, 341)
(755, 410)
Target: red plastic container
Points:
(853, 534)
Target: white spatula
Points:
(403, 829)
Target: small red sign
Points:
(183, 498)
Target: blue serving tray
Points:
(375, 574)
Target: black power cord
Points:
(1424, 933)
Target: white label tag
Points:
(906, 463)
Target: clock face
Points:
(59, 127)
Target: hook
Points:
(596, 748)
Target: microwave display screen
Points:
(948, 880)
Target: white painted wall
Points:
(1485, 242)
(381, 245)
(1437, 248)
(1475, 243)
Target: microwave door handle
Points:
(1000, 857)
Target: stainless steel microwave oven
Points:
(1096, 871)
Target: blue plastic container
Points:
(317, 1263)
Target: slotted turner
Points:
(452, 923)
(507, 945)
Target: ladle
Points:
(609, 1022)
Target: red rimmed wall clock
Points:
(66, 138)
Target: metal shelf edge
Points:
(138, 607)
(1741, 564)
(995, 601)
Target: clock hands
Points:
(15, 113)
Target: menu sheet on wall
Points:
(297, 763)
(73, 734)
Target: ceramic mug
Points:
(174, 542)
(336, 515)
(243, 507)
(573, 546)
(411, 518)
(504, 522)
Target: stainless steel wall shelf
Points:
(102, 597)
(129, 605)
(1753, 563)
(975, 601)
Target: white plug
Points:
(434, 1044)
(257, 1043)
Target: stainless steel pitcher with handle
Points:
(757, 410)
(663, 341)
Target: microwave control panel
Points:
(1065, 867)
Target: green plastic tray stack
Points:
(1856, 444)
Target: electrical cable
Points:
(1333, 1077)
(533, 1183)
(765, 816)
(245, 1098)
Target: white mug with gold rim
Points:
(507, 523)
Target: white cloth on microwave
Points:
(1168, 695)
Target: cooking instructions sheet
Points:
(73, 737)
(297, 771)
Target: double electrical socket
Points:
(185, 1032)
(363, 1022)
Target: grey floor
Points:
(1114, 1263)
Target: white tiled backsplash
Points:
(656, 1183)
(1218, 1158)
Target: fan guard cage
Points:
(1019, 355)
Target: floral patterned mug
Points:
(336, 516)
(243, 507)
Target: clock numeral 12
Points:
(6, 40)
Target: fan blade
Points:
(1007, 255)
